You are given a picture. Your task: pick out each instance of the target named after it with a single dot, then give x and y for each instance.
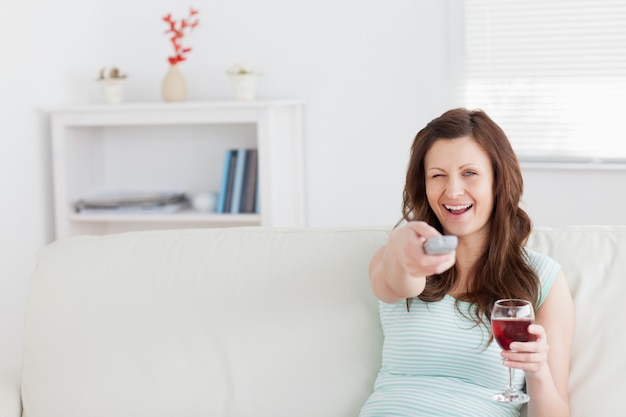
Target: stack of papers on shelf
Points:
(160, 202)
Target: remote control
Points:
(440, 245)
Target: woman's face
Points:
(459, 186)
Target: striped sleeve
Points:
(547, 270)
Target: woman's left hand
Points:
(531, 357)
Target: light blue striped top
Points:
(435, 363)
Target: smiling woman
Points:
(438, 355)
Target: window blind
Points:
(552, 73)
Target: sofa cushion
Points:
(213, 322)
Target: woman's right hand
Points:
(406, 247)
(399, 269)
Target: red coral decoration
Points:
(177, 30)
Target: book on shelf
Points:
(221, 199)
(239, 185)
(249, 187)
(228, 181)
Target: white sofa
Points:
(247, 322)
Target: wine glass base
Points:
(513, 398)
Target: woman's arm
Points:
(546, 361)
(399, 269)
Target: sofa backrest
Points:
(214, 322)
(594, 263)
(262, 322)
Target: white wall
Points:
(373, 72)
(576, 194)
(370, 71)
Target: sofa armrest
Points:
(10, 397)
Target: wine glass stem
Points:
(510, 389)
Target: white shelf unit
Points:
(179, 147)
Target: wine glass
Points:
(510, 319)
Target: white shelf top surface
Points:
(159, 106)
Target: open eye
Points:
(469, 173)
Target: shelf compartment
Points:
(158, 147)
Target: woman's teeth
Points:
(457, 208)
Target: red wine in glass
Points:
(510, 319)
(507, 331)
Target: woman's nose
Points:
(454, 187)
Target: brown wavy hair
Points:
(502, 270)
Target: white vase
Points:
(112, 90)
(244, 86)
(174, 88)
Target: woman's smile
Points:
(457, 208)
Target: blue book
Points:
(238, 183)
(227, 174)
